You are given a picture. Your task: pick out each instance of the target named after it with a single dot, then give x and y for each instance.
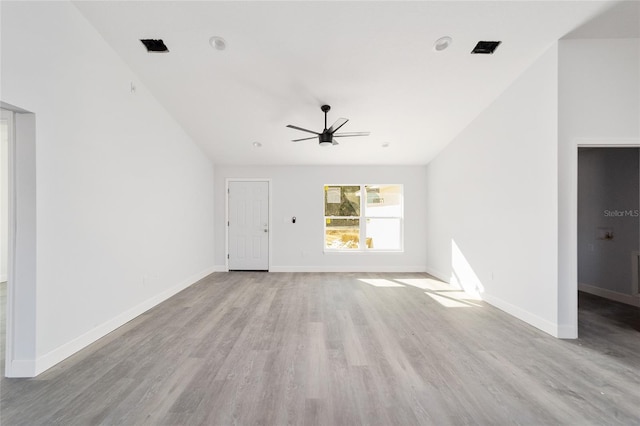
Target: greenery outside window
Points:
(363, 217)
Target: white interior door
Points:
(248, 225)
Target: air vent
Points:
(486, 47)
(154, 45)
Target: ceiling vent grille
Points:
(154, 45)
(486, 47)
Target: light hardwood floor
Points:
(331, 349)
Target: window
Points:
(363, 217)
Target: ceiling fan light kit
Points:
(327, 136)
(326, 140)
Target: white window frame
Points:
(362, 220)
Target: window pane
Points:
(384, 201)
(342, 201)
(383, 234)
(342, 233)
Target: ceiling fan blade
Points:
(334, 142)
(339, 123)
(348, 134)
(304, 139)
(300, 128)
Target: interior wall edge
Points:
(567, 331)
(21, 315)
(20, 368)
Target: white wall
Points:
(599, 89)
(492, 201)
(298, 191)
(608, 198)
(124, 197)
(599, 104)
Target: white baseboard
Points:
(64, 351)
(3, 278)
(526, 316)
(627, 299)
(564, 332)
(567, 332)
(438, 274)
(396, 269)
(21, 368)
(219, 268)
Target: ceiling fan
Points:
(327, 136)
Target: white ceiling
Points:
(373, 62)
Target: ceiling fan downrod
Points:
(325, 109)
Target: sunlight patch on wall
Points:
(462, 274)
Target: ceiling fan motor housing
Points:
(325, 138)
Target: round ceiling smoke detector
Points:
(442, 43)
(257, 144)
(218, 43)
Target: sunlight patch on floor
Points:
(378, 282)
(447, 302)
(425, 283)
(461, 295)
(447, 295)
(467, 299)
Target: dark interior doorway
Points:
(608, 238)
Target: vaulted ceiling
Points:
(373, 62)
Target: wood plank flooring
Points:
(338, 349)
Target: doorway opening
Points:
(608, 248)
(19, 307)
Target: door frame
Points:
(226, 217)
(9, 306)
(568, 231)
(635, 255)
(20, 349)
